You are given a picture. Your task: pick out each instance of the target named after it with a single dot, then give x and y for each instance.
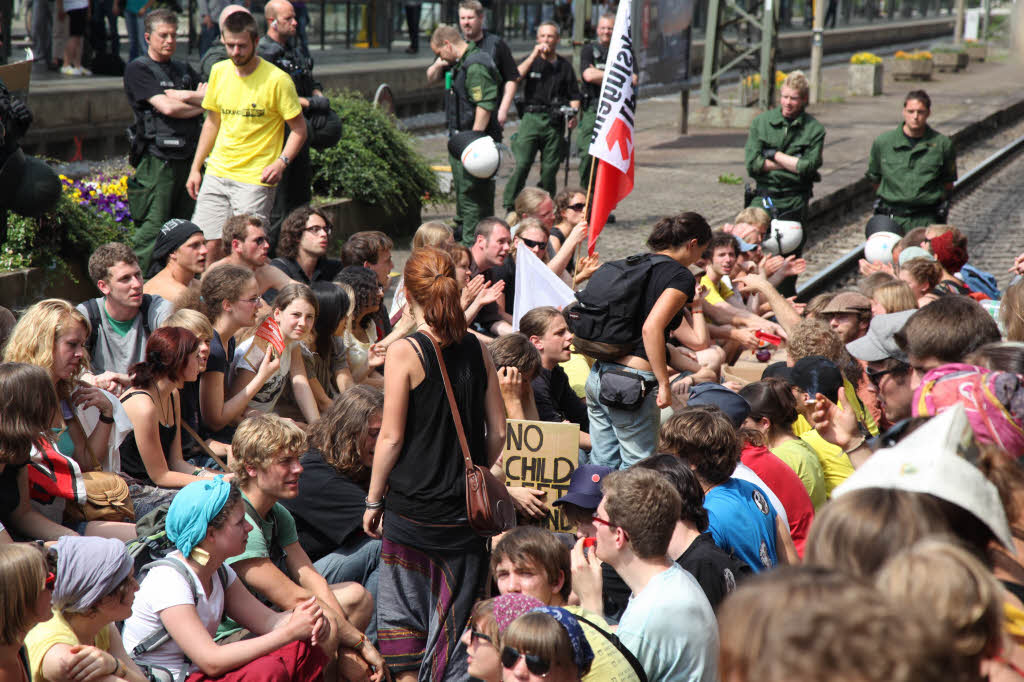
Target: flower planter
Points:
(749, 95)
(950, 61)
(912, 69)
(865, 80)
(977, 53)
(349, 216)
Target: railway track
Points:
(966, 212)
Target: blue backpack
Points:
(980, 281)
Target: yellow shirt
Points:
(253, 111)
(803, 460)
(43, 636)
(717, 293)
(608, 663)
(835, 463)
(577, 368)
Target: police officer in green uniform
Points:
(280, 47)
(913, 168)
(168, 119)
(471, 102)
(783, 153)
(550, 85)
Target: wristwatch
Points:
(285, 159)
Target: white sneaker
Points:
(82, 71)
(69, 70)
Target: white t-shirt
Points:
(162, 588)
(671, 629)
(265, 399)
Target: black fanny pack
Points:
(624, 390)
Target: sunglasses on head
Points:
(534, 245)
(535, 664)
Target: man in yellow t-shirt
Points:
(247, 101)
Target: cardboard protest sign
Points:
(542, 455)
(268, 334)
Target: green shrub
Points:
(374, 162)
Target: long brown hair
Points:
(430, 283)
(336, 435)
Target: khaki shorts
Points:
(220, 198)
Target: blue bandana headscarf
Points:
(582, 654)
(192, 509)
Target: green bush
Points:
(374, 162)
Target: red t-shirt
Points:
(787, 486)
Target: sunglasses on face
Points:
(535, 664)
(534, 245)
(475, 637)
(577, 207)
(875, 375)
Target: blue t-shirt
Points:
(742, 521)
(671, 629)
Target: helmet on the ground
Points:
(880, 223)
(477, 152)
(784, 237)
(878, 248)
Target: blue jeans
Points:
(207, 36)
(620, 438)
(358, 560)
(136, 34)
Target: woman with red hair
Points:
(151, 459)
(433, 565)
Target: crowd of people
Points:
(293, 437)
(764, 489)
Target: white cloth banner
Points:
(536, 286)
(613, 129)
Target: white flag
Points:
(612, 140)
(536, 286)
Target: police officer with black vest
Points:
(471, 102)
(280, 47)
(166, 98)
(551, 98)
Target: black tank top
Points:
(131, 460)
(428, 482)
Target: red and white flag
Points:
(612, 143)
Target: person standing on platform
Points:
(550, 85)
(913, 168)
(783, 153)
(281, 47)
(166, 98)
(470, 103)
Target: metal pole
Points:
(769, 30)
(817, 47)
(986, 14)
(958, 28)
(708, 82)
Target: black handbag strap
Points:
(617, 643)
(463, 443)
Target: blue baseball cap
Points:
(744, 244)
(735, 406)
(585, 486)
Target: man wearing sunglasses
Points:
(887, 367)
(669, 624)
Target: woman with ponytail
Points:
(151, 459)
(434, 566)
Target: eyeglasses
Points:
(318, 228)
(577, 207)
(604, 522)
(534, 245)
(251, 301)
(535, 664)
(475, 636)
(875, 375)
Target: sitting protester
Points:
(518, 364)
(186, 595)
(151, 459)
(482, 638)
(94, 590)
(26, 582)
(334, 480)
(545, 643)
(273, 565)
(361, 331)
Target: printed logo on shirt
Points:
(766, 559)
(729, 579)
(476, 93)
(253, 111)
(759, 500)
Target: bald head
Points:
(281, 22)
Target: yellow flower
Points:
(779, 77)
(866, 58)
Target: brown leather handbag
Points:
(488, 504)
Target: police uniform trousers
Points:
(588, 119)
(156, 193)
(474, 199)
(536, 132)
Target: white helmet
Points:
(477, 152)
(878, 247)
(784, 237)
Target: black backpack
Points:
(606, 318)
(92, 310)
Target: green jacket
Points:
(912, 175)
(804, 136)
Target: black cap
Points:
(173, 234)
(817, 374)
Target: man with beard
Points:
(248, 101)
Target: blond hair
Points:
(431, 233)
(1011, 312)
(192, 320)
(894, 296)
(35, 336)
(527, 203)
(258, 440)
(752, 215)
(22, 578)
(797, 80)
